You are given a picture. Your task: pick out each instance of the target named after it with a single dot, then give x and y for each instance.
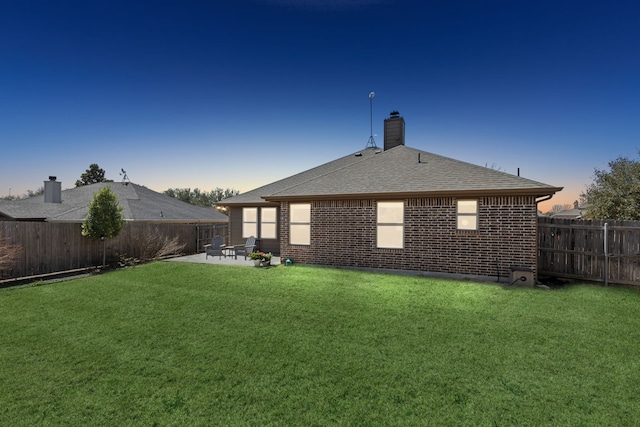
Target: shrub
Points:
(156, 246)
(9, 255)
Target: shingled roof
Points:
(397, 172)
(140, 204)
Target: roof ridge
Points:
(331, 171)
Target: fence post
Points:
(606, 254)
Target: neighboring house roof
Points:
(397, 172)
(140, 204)
(575, 213)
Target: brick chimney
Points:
(393, 131)
(52, 191)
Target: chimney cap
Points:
(52, 178)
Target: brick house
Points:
(396, 208)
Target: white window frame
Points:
(300, 224)
(390, 225)
(249, 222)
(467, 215)
(265, 225)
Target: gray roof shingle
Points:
(140, 204)
(400, 171)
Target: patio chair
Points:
(215, 248)
(247, 248)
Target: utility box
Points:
(521, 276)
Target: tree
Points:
(104, 219)
(34, 193)
(92, 175)
(221, 194)
(615, 194)
(200, 198)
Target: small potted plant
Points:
(260, 258)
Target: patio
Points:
(228, 260)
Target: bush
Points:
(9, 255)
(157, 246)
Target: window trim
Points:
(390, 224)
(293, 223)
(274, 223)
(246, 235)
(460, 215)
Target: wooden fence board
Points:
(575, 249)
(53, 247)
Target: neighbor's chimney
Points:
(52, 191)
(393, 131)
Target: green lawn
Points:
(191, 344)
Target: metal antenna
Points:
(125, 178)
(372, 142)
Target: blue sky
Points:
(241, 93)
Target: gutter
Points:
(402, 195)
(544, 199)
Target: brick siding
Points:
(343, 233)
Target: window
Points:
(300, 223)
(467, 214)
(249, 222)
(390, 233)
(268, 223)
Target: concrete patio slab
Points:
(228, 260)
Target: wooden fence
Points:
(53, 247)
(584, 250)
(566, 248)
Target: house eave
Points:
(246, 204)
(536, 192)
(150, 221)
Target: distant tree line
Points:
(201, 198)
(29, 193)
(96, 174)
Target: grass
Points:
(189, 344)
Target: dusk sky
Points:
(242, 93)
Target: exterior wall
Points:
(235, 230)
(343, 233)
(235, 226)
